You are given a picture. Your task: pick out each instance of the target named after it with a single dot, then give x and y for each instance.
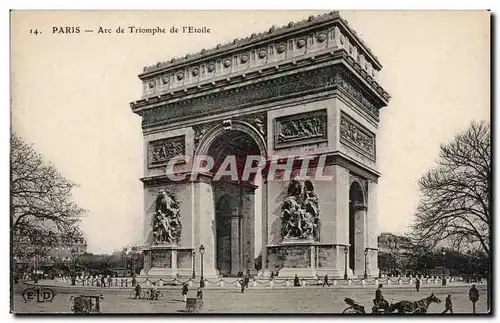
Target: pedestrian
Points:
(448, 305)
(154, 292)
(137, 291)
(474, 297)
(380, 301)
(242, 284)
(103, 283)
(247, 280)
(296, 281)
(325, 281)
(417, 284)
(184, 292)
(199, 293)
(272, 275)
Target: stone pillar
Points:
(359, 239)
(313, 258)
(204, 220)
(248, 229)
(341, 206)
(264, 225)
(371, 229)
(147, 262)
(174, 262)
(235, 244)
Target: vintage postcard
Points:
(258, 162)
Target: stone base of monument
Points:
(300, 272)
(293, 257)
(333, 273)
(169, 261)
(306, 259)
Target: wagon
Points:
(194, 305)
(85, 304)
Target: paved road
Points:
(284, 300)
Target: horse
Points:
(415, 306)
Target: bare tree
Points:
(41, 205)
(455, 205)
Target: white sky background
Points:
(71, 100)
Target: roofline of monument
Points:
(312, 22)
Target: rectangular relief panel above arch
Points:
(162, 150)
(301, 129)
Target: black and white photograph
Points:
(251, 162)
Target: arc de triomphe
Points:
(307, 90)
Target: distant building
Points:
(43, 259)
(62, 250)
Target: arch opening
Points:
(356, 226)
(236, 201)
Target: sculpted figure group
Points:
(167, 225)
(300, 212)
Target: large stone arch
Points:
(236, 125)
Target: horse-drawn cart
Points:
(85, 304)
(194, 305)
(402, 307)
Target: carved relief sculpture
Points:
(259, 121)
(308, 127)
(161, 151)
(166, 224)
(355, 136)
(300, 212)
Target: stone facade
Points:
(306, 90)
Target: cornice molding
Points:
(326, 78)
(273, 71)
(274, 33)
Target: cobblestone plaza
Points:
(310, 299)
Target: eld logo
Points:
(38, 294)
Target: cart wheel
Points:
(349, 310)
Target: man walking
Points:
(154, 292)
(448, 305)
(325, 281)
(247, 279)
(417, 284)
(199, 293)
(242, 284)
(137, 291)
(474, 297)
(184, 292)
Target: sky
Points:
(71, 95)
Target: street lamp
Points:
(346, 251)
(132, 253)
(73, 274)
(469, 266)
(202, 279)
(366, 254)
(444, 265)
(194, 265)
